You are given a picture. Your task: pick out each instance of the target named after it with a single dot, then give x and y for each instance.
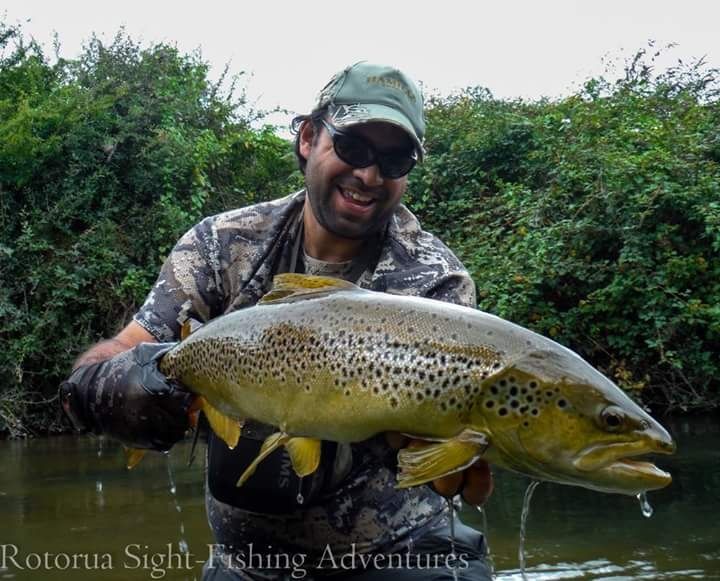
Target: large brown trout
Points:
(322, 359)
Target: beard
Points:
(347, 224)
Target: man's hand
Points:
(127, 397)
(475, 483)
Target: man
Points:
(355, 150)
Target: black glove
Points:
(128, 398)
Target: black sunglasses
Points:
(358, 152)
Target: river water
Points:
(70, 497)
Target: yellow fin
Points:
(133, 457)
(271, 443)
(425, 463)
(305, 455)
(188, 327)
(290, 286)
(226, 428)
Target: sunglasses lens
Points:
(397, 165)
(353, 151)
(357, 152)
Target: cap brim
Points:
(347, 115)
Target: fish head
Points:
(552, 416)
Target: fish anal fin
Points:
(293, 286)
(133, 457)
(271, 443)
(226, 428)
(304, 454)
(424, 463)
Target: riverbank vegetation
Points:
(594, 219)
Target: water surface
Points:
(71, 496)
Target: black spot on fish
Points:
(561, 403)
(494, 389)
(394, 402)
(489, 404)
(513, 390)
(503, 383)
(502, 411)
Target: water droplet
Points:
(98, 486)
(645, 508)
(523, 525)
(451, 506)
(300, 498)
(182, 543)
(488, 553)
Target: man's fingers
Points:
(478, 483)
(448, 485)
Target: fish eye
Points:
(612, 418)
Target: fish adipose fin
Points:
(304, 454)
(424, 463)
(226, 428)
(291, 287)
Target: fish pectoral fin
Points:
(226, 428)
(425, 462)
(289, 287)
(305, 454)
(133, 457)
(271, 443)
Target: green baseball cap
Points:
(365, 92)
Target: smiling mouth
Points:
(355, 197)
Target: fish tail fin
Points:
(226, 428)
(304, 454)
(133, 457)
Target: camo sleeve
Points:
(415, 262)
(188, 285)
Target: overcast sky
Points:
(515, 48)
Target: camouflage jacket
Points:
(227, 262)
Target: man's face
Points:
(352, 202)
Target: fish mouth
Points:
(617, 468)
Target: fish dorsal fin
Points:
(290, 287)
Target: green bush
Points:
(594, 220)
(104, 162)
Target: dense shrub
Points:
(595, 220)
(104, 161)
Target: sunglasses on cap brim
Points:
(358, 152)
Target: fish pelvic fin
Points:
(226, 428)
(426, 462)
(304, 454)
(290, 287)
(133, 457)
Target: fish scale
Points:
(322, 359)
(338, 347)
